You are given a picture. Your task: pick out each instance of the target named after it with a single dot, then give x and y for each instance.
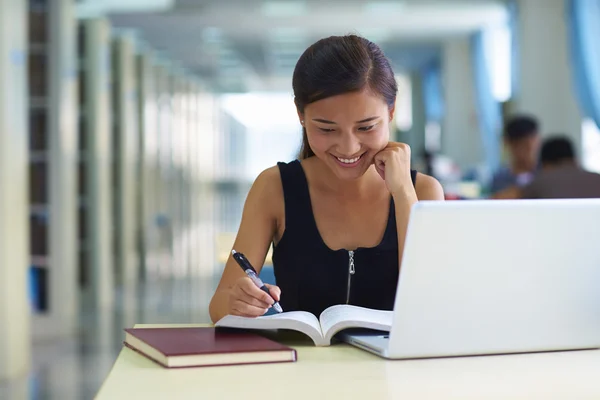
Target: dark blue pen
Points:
(251, 272)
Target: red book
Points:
(202, 347)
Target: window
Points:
(590, 145)
(497, 41)
(404, 110)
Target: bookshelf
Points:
(53, 161)
(38, 64)
(162, 251)
(193, 140)
(179, 192)
(125, 138)
(146, 201)
(96, 278)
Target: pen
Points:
(251, 272)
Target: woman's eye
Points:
(366, 128)
(326, 130)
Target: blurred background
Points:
(131, 131)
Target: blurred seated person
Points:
(560, 176)
(521, 139)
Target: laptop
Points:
(488, 277)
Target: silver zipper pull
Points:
(350, 273)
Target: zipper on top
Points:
(351, 271)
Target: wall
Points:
(545, 86)
(415, 137)
(461, 137)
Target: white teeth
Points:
(348, 160)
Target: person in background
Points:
(522, 140)
(560, 175)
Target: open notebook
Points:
(331, 321)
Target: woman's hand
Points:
(393, 165)
(246, 300)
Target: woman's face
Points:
(346, 131)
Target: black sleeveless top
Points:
(313, 277)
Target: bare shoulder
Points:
(269, 178)
(428, 188)
(267, 185)
(266, 193)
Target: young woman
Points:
(337, 217)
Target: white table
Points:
(344, 372)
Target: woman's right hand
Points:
(246, 300)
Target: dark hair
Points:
(557, 149)
(338, 65)
(520, 127)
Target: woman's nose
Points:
(349, 145)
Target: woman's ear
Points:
(300, 113)
(300, 117)
(392, 111)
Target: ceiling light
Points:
(384, 7)
(284, 8)
(85, 8)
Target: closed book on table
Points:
(202, 347)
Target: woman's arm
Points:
(426, 188)
(256, 232)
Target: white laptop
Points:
(495, 277)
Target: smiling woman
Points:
(337, 217)
(327, 124)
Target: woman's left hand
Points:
(393, 165)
